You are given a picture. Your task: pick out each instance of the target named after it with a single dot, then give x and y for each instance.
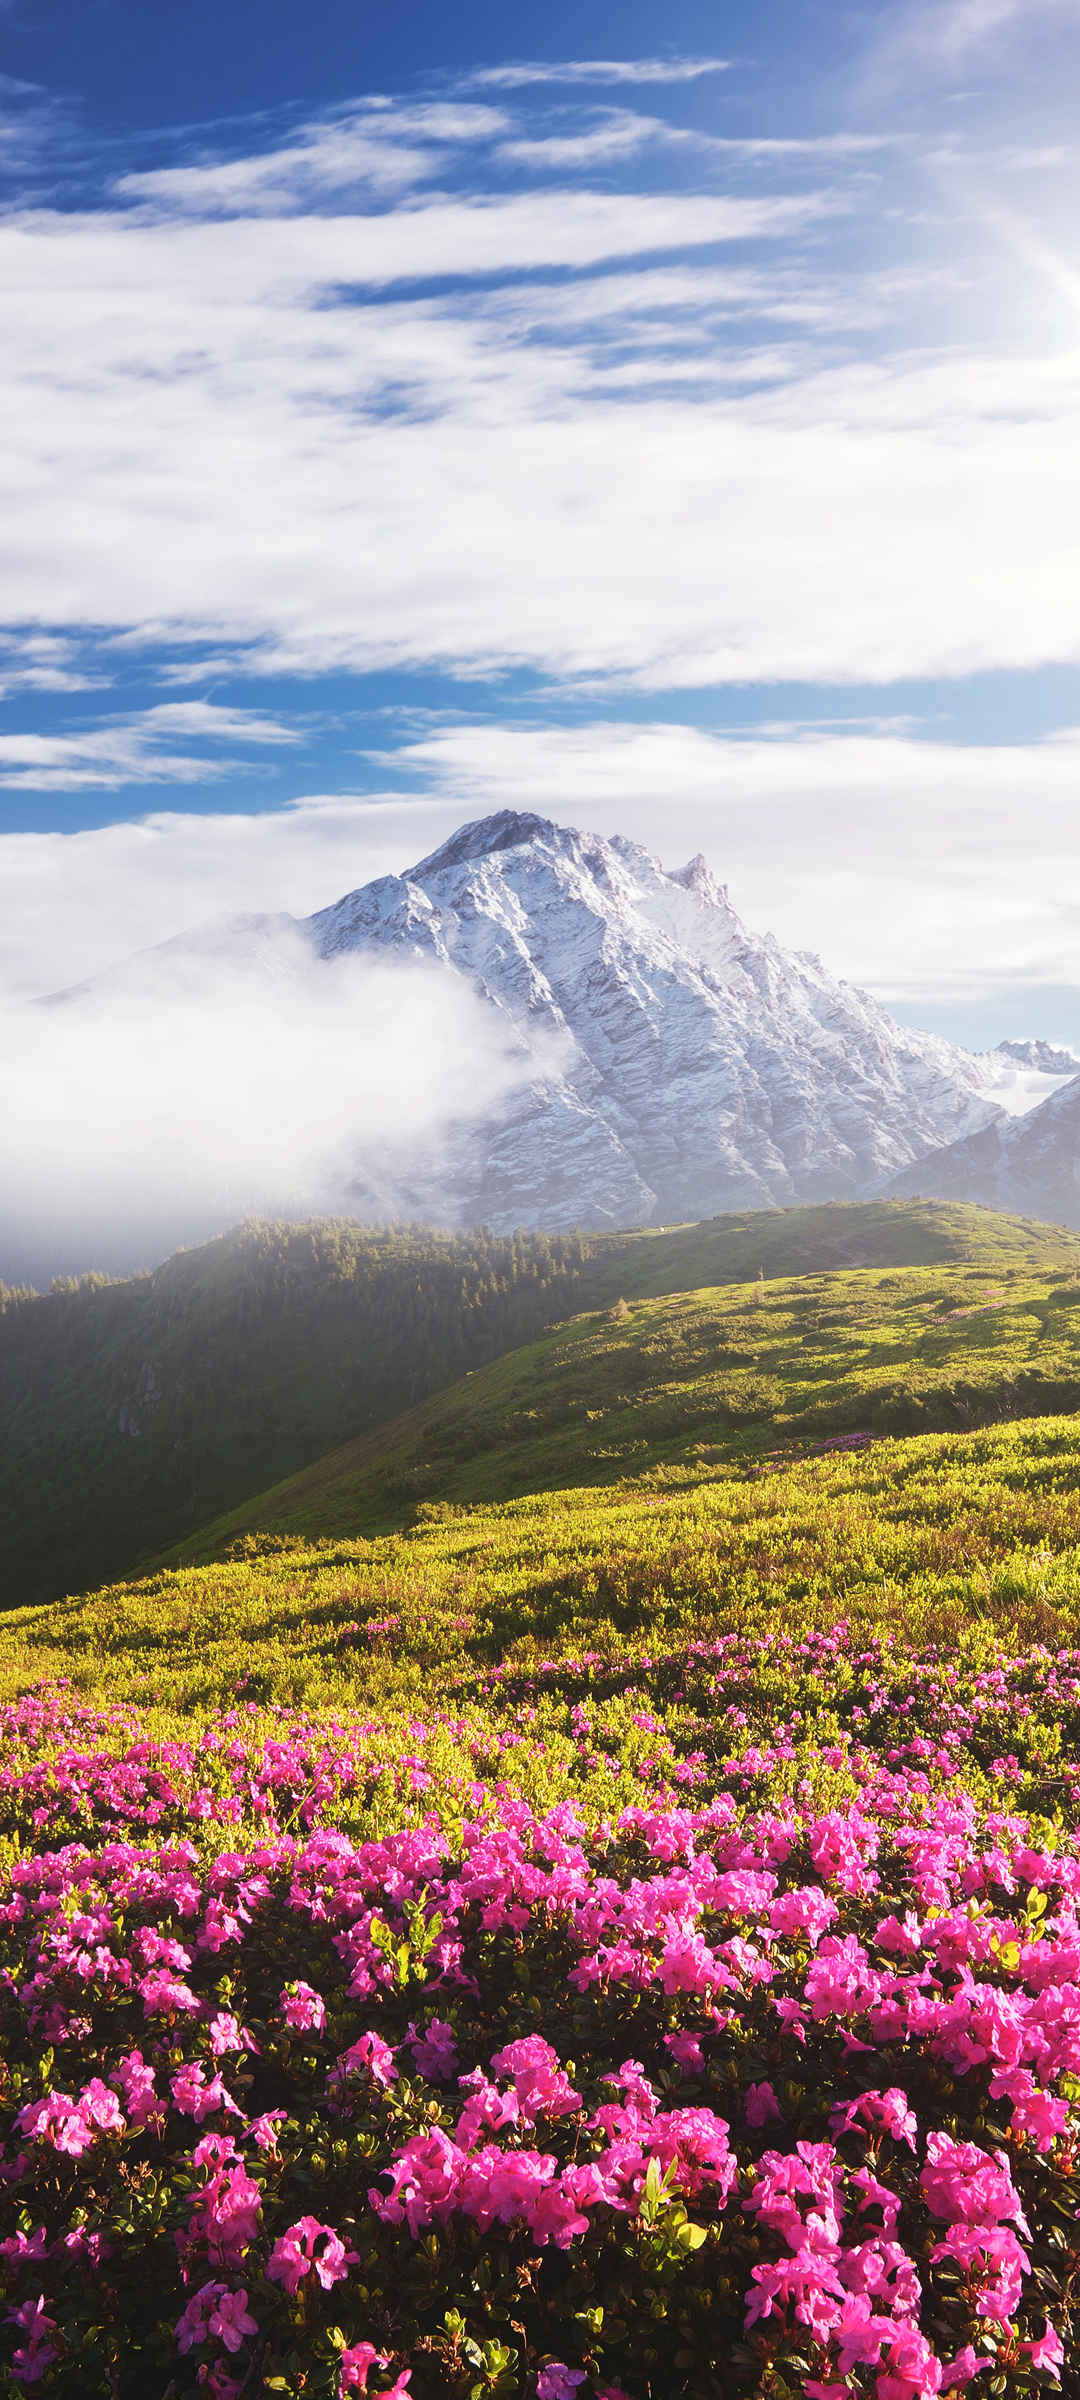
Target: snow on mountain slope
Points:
(1030, 1165)
(682, 1063)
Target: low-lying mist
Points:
(201, 1084)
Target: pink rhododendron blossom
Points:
(1048, 2352)
(556, 2382)
(356, 2366)
(302, 2008)
(435, 2051)
(370, 2055)
(308, 2246)
(762, 2105)
(40, 2350)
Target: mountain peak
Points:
(697, 876)
(507, 829)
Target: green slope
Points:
(943, 1538)
(132, 1413)
(698, 1386)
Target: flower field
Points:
(488, 2010)
(334, 2071)
(615, 1944)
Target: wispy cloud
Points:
(620, 134)
(370, 149)
(126, 750)
(514, 75)
(42, 662)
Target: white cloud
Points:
(619, 136)
(187, 393)
(41, 662)
(154, 1111)
(815, 145)
(125, 750)
(180, 394)
(623, 132)
(577, 451)
(376, 150)
(513, 76)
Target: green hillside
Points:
(133, 1413)
(698, 1385)
(930, 1538)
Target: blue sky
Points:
(673, 428)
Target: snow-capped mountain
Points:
(682, 1064)
(1030, 1165)
(654, 1059)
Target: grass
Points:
(945, 1537)
(698, 1385)
(132, 1413)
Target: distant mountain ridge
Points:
(1030, 1164)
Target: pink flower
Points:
(1047, 2351)
(540, 2086)
(231, 2322)
(194, 2097)
(434, 2051)
(298, 2251)
(356, 2366)
(302, 2008)
(887, 2110)
(960, 2180)
(227, 2036)
(762, 2105)
(225, 2213)
(33, 2359)
(192, 2327)
(686, 2051)
(264, 2130)
(136, 2081)
(556, 2382)
(370, 2055)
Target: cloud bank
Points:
(235, 1079)
(352, 401)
